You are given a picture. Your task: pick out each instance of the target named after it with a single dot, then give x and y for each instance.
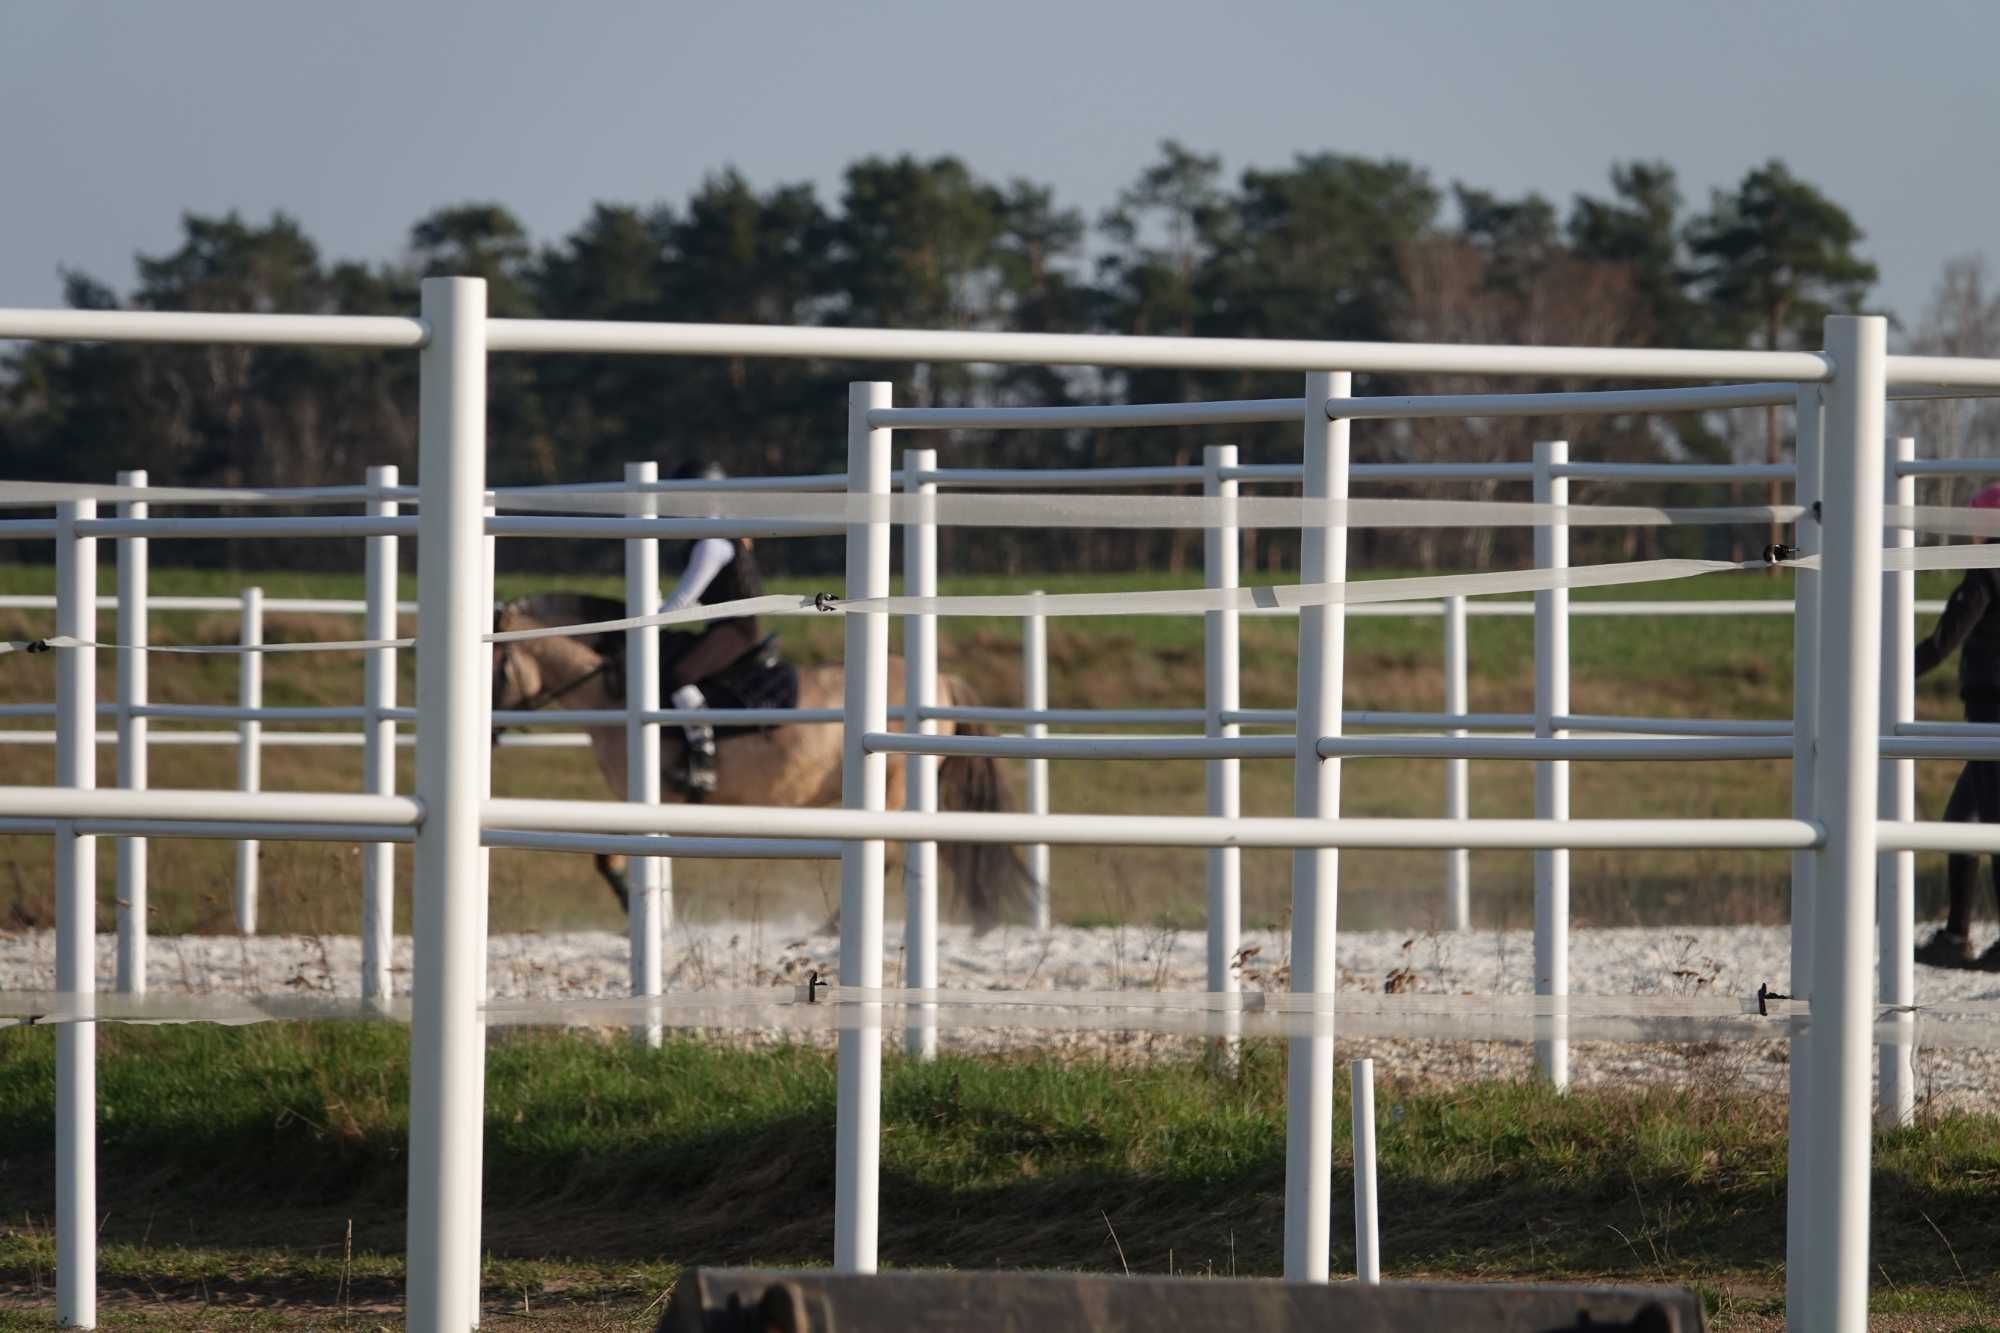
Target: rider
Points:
(717, 569)
(1971, 618)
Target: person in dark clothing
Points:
(1971, 624)
(714, 570)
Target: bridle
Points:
(541, 698)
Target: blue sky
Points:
(359, 116)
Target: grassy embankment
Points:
(255, 1176)
(1738, 667)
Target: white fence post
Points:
(1552, 775)
(1457, 772)
(858, 1134)
(76, 926)
(249, 752)
(1316, 871)
(1896, 877)
(1035, 692)
(1800, 1158)
(646, 876)
(475, 1180)
(1367, 1227)
(920, 778)
(133, 632)
(1222, 686)
(447, 1051)
(1836, 1243)
(378, 741)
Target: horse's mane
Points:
(574, 608)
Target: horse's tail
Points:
(989, 877)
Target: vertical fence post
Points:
(1896, 876)
(1035, 692)
(1845, 787)
(475, 1180)
(378, 740)
(249, 751)
(447, 1053)
(76, 926)
(1367, 1227)
(1552, 775)
(1316, 871)
(1799, 1155)
(645, 874)
(920, 789)
(134, 628)
(858, 1142)
(1222, 687)
(1457, 772)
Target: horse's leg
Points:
(612, 868)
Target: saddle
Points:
(758, 679)
(761, 678)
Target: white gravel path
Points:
(1726, 960)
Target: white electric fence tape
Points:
(1163, 602)
(1029, 509)
(1175, 601)
(1036, 509)
(1630, 1019)
(1089, 511)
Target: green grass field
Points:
(261, 1171)
(1736, 667)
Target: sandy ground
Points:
(1722, 960)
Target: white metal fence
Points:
(380, 721)
(1837, 741)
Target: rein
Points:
(543, 698)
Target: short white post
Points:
(1035, 695)
(378, 740)
(447, 1051)
(1552, 775)
(1316, 871)
(858, 1131)
(1836, 1243)
(1367, 1229)
(76, 926)
(1896, 876)
(1457, 772)
(1799, 1156)
(645, 875)
(920, 779)
(1222, 689)
(133, 632)
(249, 752)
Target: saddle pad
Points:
(761, 679)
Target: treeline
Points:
(1328, 246)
